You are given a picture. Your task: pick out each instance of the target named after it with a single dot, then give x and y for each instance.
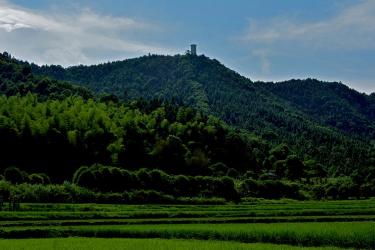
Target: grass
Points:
(139, 244)
(348, 224)
(348, 210)
(208, 220)
(338, 234)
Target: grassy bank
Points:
(139, 244)
(342, 210)
(338, 234)
(345, 224)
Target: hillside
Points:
(151, 150)
(16, 78)
(331, 103)
(327, 122)
(56, 135)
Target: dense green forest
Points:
(60, 141)
(332, 104)
(16, 78)
(328, 122)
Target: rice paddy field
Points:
(280, 224)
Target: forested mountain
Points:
(16, 78)
(56, 133)
(331, 103)
(159, 149)
(327, 122)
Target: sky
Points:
(269, 40)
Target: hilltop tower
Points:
(193, 49)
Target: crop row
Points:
(139, 244)
(208, 220)
(338, 234)
(258, 205)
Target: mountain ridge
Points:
(53, 131)
(298, 112)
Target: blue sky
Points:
(261, 39)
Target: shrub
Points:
(271, 189)
(150, 196)
(182, 186)
(46, 179)
(111, 198)
(201, 201)
(143, 177)
(79, 194)
(232, 173)
(14, 175)
(160, 181)
(227, 190)
(219, 169)
(36, 179)
(5, 189)
(87, 179)
(249, 188)
(342, 188)
(77, 174)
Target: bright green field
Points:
(341, 224)
(338, 234)
(138, 244)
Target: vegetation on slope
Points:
(16, 78)
(330, 103)
(324, 121)
(53, 132)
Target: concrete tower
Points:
(193, 49)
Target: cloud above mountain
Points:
(351, 28)
(327, 46)
(77, 36)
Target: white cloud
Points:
(351, 28)
(265, 63)
(71, 38)
(338, 47)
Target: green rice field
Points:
(261, 224)
(139, 244)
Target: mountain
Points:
(51, 132)
(327, 122)
(330, 103)
(158, 150)
(16, 78)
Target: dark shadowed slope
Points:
(327, 121)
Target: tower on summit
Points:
(193, 49)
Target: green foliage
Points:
(330, 103)
(14, 175)
(16, 78)
(271, 189)
(77, 243)
(327, 122)
(155, 143)
(344, 224)
(116, 180)
(36, 179)
(344, 234)
(341, 188)
(59, 136)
